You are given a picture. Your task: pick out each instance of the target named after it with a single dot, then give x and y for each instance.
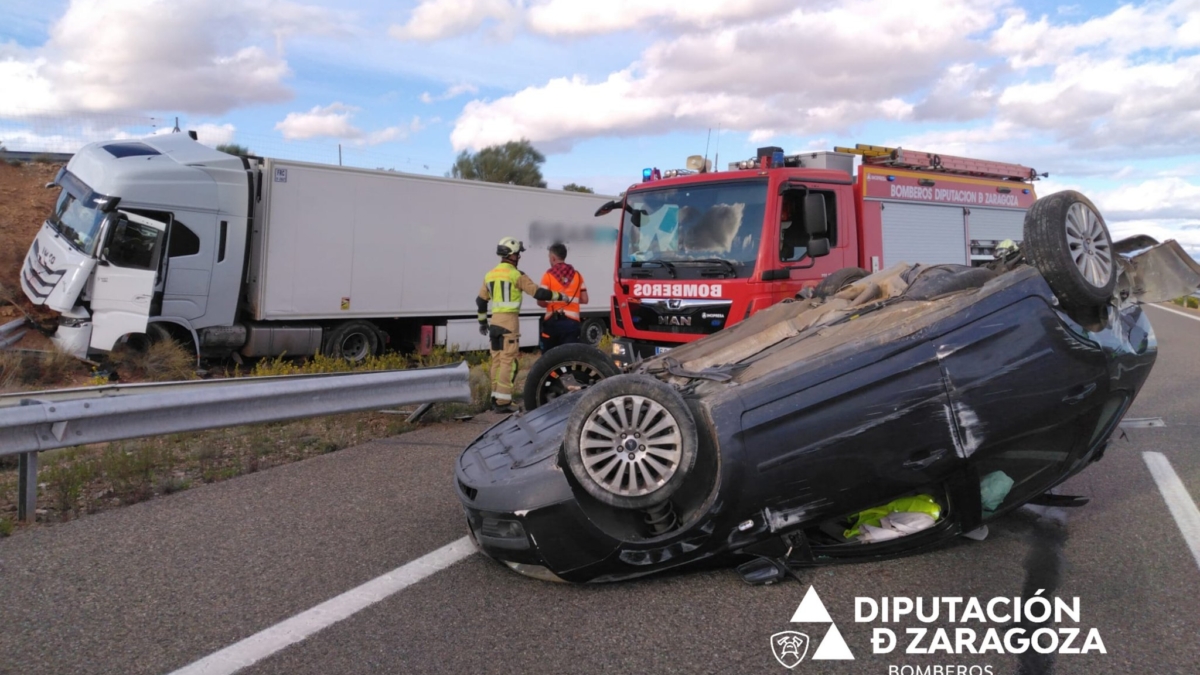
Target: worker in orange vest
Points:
(560, 325)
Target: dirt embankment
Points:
(24, 205)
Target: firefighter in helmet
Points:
(503, 287)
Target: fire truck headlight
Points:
(619, 349)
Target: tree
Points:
(572, 187)
(515, 163)
(234, 149)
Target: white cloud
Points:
(576, 17)
(88, 130)
(804, 73)
(452, 92)
(1164, 198)
(1124, 80)
(1068, 90)
(332, 120)
(335, 121)
(1129, 29)
(438, 19)
(186, 55)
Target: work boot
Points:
(502, 408)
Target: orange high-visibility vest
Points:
(572, 289)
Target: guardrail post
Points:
(27, 486)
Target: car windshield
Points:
(77, 215)
(707, 225)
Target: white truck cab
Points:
(146, 230)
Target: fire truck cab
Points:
(699, 251)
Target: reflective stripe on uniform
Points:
(502, 284)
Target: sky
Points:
(1104, 96)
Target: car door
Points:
(126, 272)
(852, 441)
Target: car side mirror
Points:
(762, 571)
(818, 246)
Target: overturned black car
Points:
(909, 407)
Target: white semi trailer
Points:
(167, 237)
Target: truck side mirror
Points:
(816, 222)
(818, 246)
(607, 207)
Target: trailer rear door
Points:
(924, 233)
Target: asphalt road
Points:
(154, 587)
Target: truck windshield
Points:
(694, 230)
(77, 215)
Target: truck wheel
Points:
(1067, 241)
(592, 331)
(140, 342)
(565, 369)
(840, 279)
(352, 340)
(631, 441)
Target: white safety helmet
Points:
(509, 246)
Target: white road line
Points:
(1179, 502)
(265, 643)
(1193, 317)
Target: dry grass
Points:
(164, 361)
(25, 370)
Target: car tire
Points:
(592, 331)
(352, 340)
(631, 441)
(564, 369)
(840, 279)
(1067, 240)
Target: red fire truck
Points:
(701, 250)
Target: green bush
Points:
(131, 471)
(282, 365)
(69, 480)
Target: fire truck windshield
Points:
(694, 230)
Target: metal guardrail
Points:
(36, 421)
(27, 156)
(12, 332)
